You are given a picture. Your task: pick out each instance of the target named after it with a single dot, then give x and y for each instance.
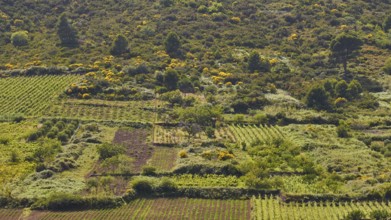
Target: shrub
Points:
(149, 171)
(19, 38)
(109, 150)
(167, 186)
(183, 154)
(120, 46)
(387, 66)
(380, 215)
(343, 130)
(142, 186)
(318, 98)
(355, 215)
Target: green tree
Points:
(256, 63)
(341, 89)
(387, 23)
(66, 32)
(171, 79)
(354, 89)
(166, 3)
(119, 46)
(318, 98)
(19, 38)
(107, 150)
(343, 47)
(172, 43)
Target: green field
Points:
(31, 96)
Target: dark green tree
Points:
(341, 89)
(387, 23)
(354, 89)
(119, 46)
(256, 63)
(172, 43)
(66, 32)
(318, 98)
(355, 215)
(171, 79)
(166, 3)
(343, 47)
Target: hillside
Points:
(271, 105)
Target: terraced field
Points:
(31, 96)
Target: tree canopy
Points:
(343, 46)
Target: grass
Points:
(31, 96)
(13, 136)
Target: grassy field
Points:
(13, 142)
(31, 96)
(274, 209)
(181, 208)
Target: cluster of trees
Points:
(319, 97)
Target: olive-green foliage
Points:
(19, 38)
(119, 46)
(355, 215)
(387, 66)
(380, 215)
(66, 33)
(107, 150)
(171, 79)
(343, 129)
(202, 115)
(149, 171)
(318, 98)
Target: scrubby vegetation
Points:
(283, 105)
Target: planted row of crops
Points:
(179, 208)
(252, 133)
(163, 158)
(137, 111)
(168, 136)
(31, 95)
(10, 214)
(210, 180)
(274, 209)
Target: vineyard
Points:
(210, 180)
(10, 214)
(250, 134)
(168, 136)
(182, 208)
(136, 111)
(30, 96)
(270, 208)
(163, 158)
